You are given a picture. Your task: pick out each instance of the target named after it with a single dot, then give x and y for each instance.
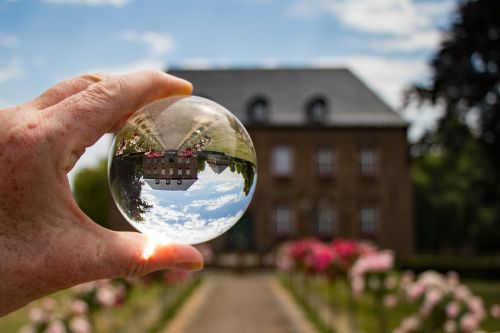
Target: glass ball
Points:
(182, 169)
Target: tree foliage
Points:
(457, 173)
(90, 189)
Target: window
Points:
(325, 219)
(367, 219)
(171, 171)
(258, 111)
(325, 161)
(282, 161)
(163, 171)
(317, 110)
(188, 172)
(367, 161)
(179, 172)
(283, 220)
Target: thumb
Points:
(134, 254)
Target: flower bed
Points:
(344, 282)
(124, 305)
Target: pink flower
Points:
(345, 248)
(80, 325)
(390, 301)
(79, 307)
(469, 323)
(376, 262)
(495, 311)
(319, 257)
(49, 304)
(37, 315)
(407, 277)
(476, 306)
(108, 295)
(56, 327)
(411, 323)
(462, 292)
(298, 250)
(453, 278)
(452, 310)
(357, 285)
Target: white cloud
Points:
(213, 204)
(197, 63)
(382, 16)
(416, 41)
(114, 3)
(410, 24)
(12, 70)
(158, 43)
(134, 66)
(387, 76)
(227, 186)
(9, 41)
(422, 118)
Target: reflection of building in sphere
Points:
(172, 170)
(218, 163)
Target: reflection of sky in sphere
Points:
(213, 204)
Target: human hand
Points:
(46, 242)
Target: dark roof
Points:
(350, 102)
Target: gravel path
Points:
(240, 303)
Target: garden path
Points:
(240, 303)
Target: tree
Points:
(91, 192)
(466, 157)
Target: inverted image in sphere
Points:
(182, 169)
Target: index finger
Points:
(86, 116)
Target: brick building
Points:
(332, 157)
(169, 171)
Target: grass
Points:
(14, 321)
(490, 292)
(311, 315)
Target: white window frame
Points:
(282, 161)
(325, 161)
(326, 220)
(368, 161)
(368, 219)
(283, 220)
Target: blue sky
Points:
(207, 209)
(386, 42)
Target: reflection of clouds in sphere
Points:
(183, 170)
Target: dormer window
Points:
(258, 110)
(317, 110)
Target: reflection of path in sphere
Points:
(175, 129)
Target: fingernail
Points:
(189, 266)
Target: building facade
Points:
(170, 170)
(332, 157)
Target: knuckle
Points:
(136, 268)
(107, 90)
(91, 77)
